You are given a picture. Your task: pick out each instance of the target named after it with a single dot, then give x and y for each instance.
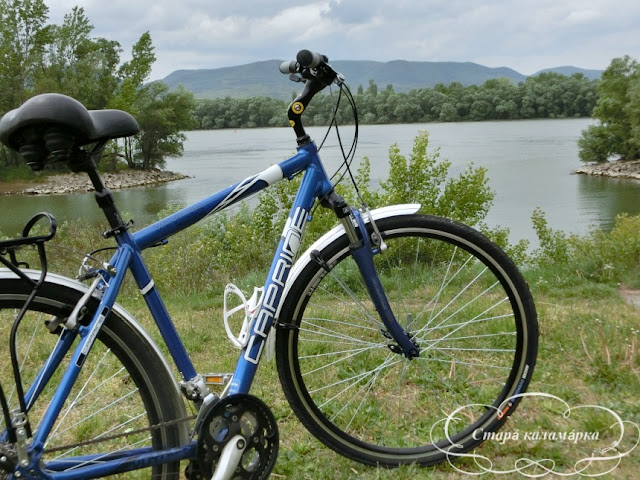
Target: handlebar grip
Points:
(309, 59)
(289, 67)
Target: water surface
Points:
(528, 161)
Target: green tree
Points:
(23, 38)
(78, 65)
(372, 89)
(162, 118)
(39, 58)
(133, 74)
(131, 92)
(618, 110)
(544, 96)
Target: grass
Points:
(588, 355)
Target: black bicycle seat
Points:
(29, 128)
(60, 111)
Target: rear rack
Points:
(8, 250)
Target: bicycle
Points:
(385, 326)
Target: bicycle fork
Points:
(362, 252)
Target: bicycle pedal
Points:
(218, 379)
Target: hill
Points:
(264, 78)
(568, 71)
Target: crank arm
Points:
(230, 458)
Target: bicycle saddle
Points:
(53, 123)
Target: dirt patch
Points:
(72, 182)
(631, 296)
(614, 169)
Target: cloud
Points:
(582, 16)
(528, 35)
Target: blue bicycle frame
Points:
(315, 184)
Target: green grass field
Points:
(588, 356)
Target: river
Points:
(528, 161)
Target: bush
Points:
(423, 178)
(597, 144)
(611, 257)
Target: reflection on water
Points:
(595, 198)
(528, 163)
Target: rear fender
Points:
(71, 284)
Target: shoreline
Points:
(629, 169)
(65, 183)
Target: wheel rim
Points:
(469, 328)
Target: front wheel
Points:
(465, 304)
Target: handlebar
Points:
(312, 68)
(309, 59)
(304, 59)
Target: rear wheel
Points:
(124, 386)
(466, 305)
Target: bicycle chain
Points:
(157, 426)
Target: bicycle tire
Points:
(476, 325)
(123, 385)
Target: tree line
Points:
(547, 95)
(39, 57)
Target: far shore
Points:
(614, 169)
(79, 182)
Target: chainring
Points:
(244, 415)
(8, 460)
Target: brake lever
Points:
(294, 77)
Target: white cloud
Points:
(582, 16)
(528, 35)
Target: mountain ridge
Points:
(263, 78)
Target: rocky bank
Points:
(615, 169)
(79, 182)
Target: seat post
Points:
(105, 201)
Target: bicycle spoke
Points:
(94, 414)
(355, 379)
(372, 318)
(335, 362)
(75, 400)
(349, 381)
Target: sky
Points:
(525, 35)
